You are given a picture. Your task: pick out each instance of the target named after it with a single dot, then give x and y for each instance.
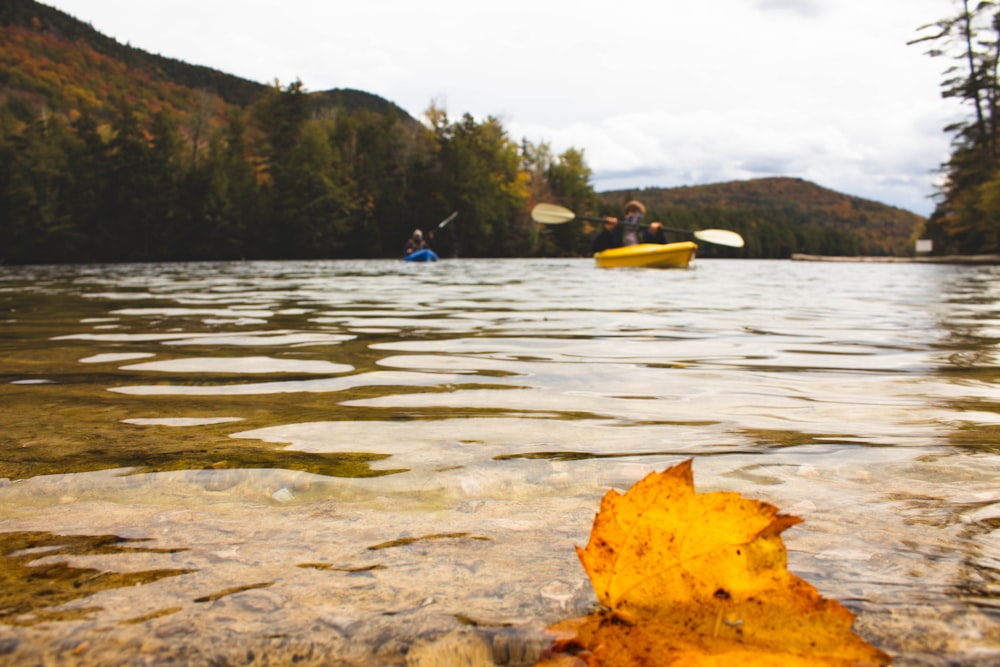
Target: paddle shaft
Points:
(592, 218)
(552, 214)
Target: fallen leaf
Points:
(700, 579)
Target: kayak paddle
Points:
(551, 214)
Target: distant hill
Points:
(782, 215)
(50, 60)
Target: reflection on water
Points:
(269, 430)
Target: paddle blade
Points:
(550, 214)
(447, 220)
(720, 237)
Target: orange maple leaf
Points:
(700, 579)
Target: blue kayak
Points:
(425, 255)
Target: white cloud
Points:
(805, 8)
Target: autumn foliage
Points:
(700, 579)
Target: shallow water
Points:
(375, 462)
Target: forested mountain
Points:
(109, 153)
(45, 36)
(52, 58)
(781, 216)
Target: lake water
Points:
(376, 462)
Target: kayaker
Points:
(630, 225)
(654, 233)
(609, 237)
(414, 243)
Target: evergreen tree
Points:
(569, 180)
(166, 238)
(280, 115)
(88, 164)
(38, 226)
(314, 201)
(222, 199)
(483, 179)
(125, 231)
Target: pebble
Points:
(260, 602)
(559, 592)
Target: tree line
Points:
(275, 180)
(295, 177)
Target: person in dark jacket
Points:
(609, 237)
(414, 243)
(631, 223)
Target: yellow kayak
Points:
(659, 255)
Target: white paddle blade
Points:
(550, 214)
(720, 237)
(447, 220)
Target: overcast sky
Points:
(657, 93)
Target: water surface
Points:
(376, 462)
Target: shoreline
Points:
(944, 259)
